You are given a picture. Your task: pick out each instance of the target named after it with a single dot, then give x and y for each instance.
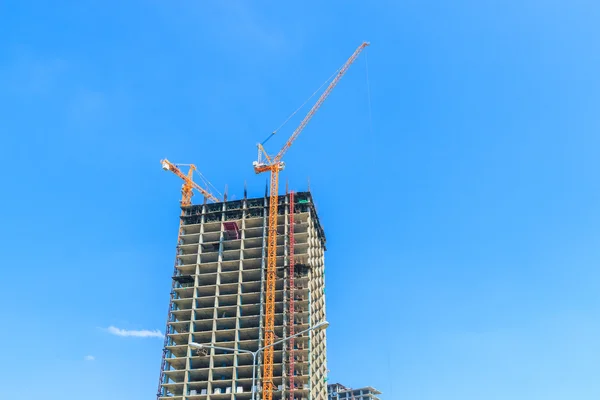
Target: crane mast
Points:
(275, 165)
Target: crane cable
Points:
(369, 94)
(302, 106)
(207, 183)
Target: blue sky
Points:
(473, 181)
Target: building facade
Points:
(337, 391)
(218, 298)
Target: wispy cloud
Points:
(133, 333)
(89, 358)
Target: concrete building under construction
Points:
(218, 297)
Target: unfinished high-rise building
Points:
(218, 298)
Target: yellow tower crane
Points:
(274, 165)
(187, 190)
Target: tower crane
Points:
(188, 182)
(275, 165)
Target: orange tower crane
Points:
(274, 165)
(188, 183)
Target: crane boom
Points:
(326, 93)
(275, 165)
(188, 183)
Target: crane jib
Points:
(274, 166)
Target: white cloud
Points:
(142, 333)
(89, 358)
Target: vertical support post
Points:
(254, 354)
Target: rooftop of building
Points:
(303, 198)
(369, 389)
